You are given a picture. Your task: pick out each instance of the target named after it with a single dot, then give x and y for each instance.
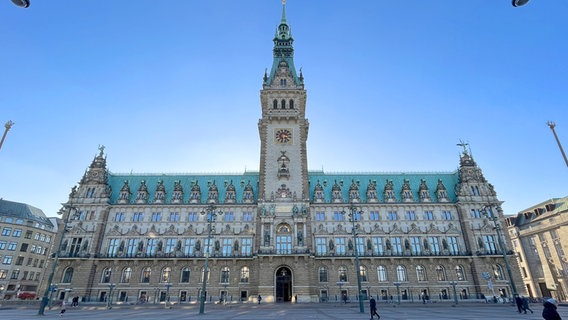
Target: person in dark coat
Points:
(526, 305)
(373, 308)
(519, 303)
(549, 312)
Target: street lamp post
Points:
(211, 215)
(397, 284)
(52, 289)
(355, 215)
(111, 286)
(225, 294)
(488, 212)
(453, 283)
(7, 127)
(340, 284)
(46, 295)
(168, 285)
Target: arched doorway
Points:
(283, 285)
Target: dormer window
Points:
(283, 82)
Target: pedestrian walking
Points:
(373, 308)
(549, 312)
(259, 298)
(62, 308)
(526, 305)
(519, 303)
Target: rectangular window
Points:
(453, 245)
(434, 245)
(229, 216)
(475, 213)
(24, 247)
(378, 248)
(192, 216)
(446, 215)
(340, 246)
(247, 216)
(227, 247)
(17, 233)
(320, 215)
(112, 247)
(119, 217)
(360, 245)
(489, 242)
(7, 260)
(151, 247)
(374, 215)
(19, 261)
(15, 274)
(12, 246)
(356, 216)
(208, 246)
(156, 216)
(428, 215)
(174, 216)
(410, 215)
(283, 244)
(321, 246)
(392, 215)
(132, 247)
(3, 245)
(6, 231)
(170, 245)
(338, 215)
(189, 247)
(29, 234)
(138, 217)
(246, 246)
(396, 246)
(415, 245)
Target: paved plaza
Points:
(469, 311)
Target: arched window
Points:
(342, 273)
(185, 273)
(275, 104)
(146, 273)
(440, 273)
(421, 273)
(283, 239)
(225, 275)
(283, 104)
(166, 275)
(382, 274)
(126, 274)
(460, 275)
(363, 273)
(498, 272)
(67, 275)
(105, 276)
(322, 274)
(245, 273)
(291, 103)
(401, 273)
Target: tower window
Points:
(274, 104)
(283, 82)
(283, 106)
(291, 104)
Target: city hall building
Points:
(283, 232)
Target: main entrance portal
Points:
(283, 285)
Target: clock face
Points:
(283, 135)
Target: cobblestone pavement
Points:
(250, 311)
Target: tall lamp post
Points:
(111, 286)
(397, 284)
(168, 285)
(48, 287)
(355, 215)
(211, 215)
(488, 212)
(551, 125)
(453, 283)
(7, 126)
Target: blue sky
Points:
(392, 86)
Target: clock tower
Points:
(283, 128)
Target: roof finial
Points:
(283, 11)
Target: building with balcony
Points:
(540, 240)
(283, 232)
(26, 236)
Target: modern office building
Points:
(539, 235)
(283, 232)
(25, 240)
